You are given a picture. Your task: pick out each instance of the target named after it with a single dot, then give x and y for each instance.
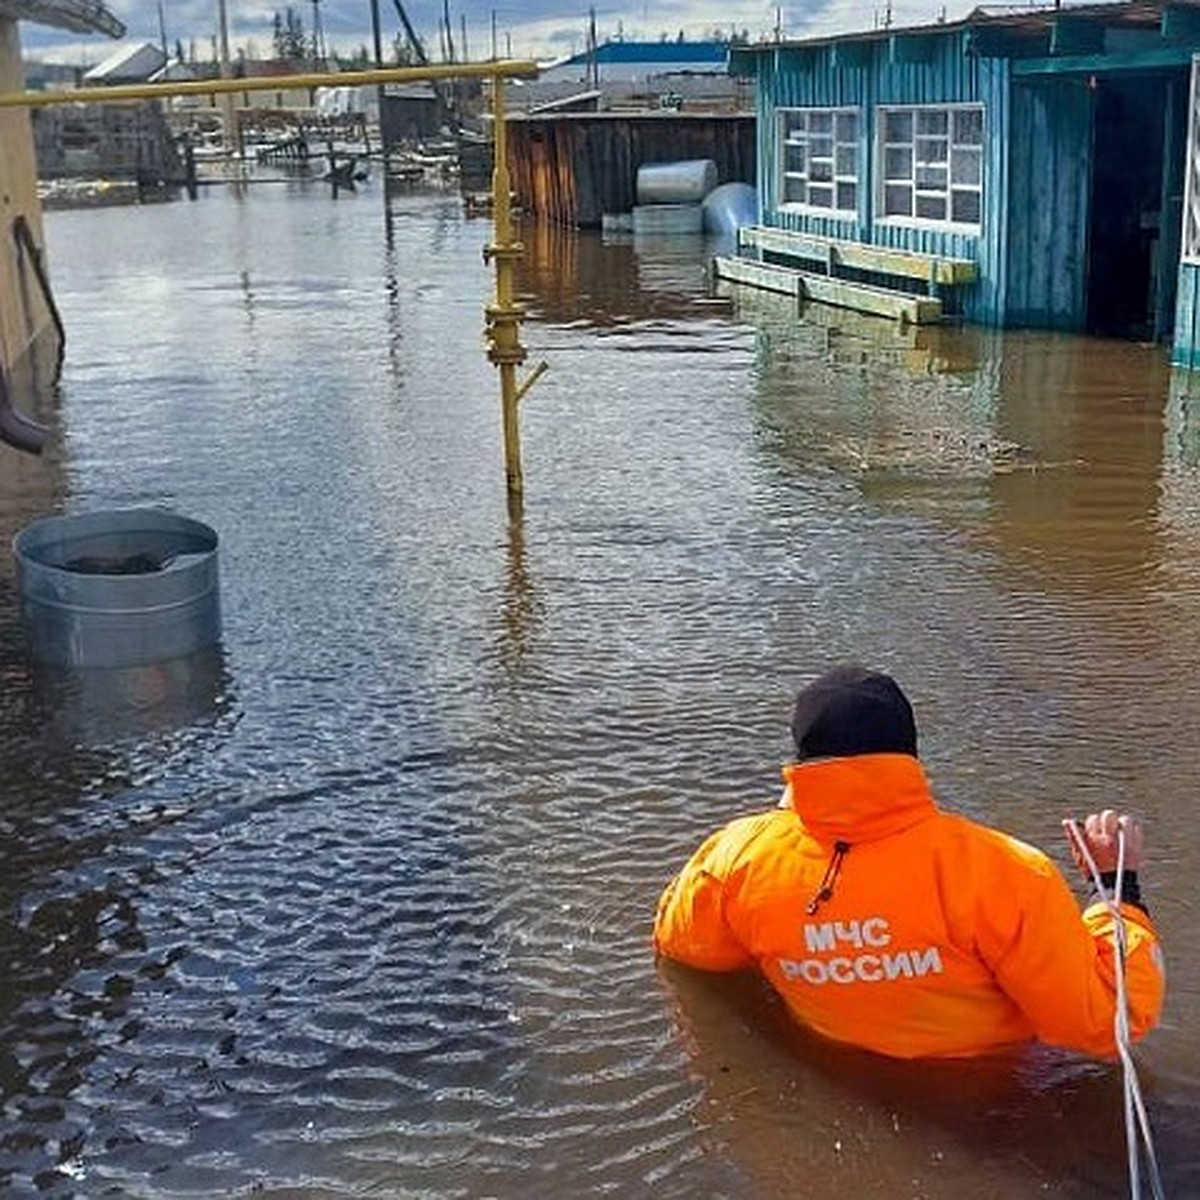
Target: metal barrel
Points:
(686, 182)
(117, 588)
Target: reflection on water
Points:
(363, 903)
(116, 704)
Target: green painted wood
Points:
(912, 48)
(999, 41)
(1100, 64)
(1181, 23)
(852, 55)
(1076, 35)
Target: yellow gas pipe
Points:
(504, 314)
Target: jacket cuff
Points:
(1131, 891)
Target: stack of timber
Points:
(881, 280)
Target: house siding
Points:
(814, 77)
(1048, 202)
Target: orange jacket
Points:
(887, 923)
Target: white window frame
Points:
(935, 156)
(834, 177)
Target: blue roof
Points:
(667, 53)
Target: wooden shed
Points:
(573, 168)
(1023, 168)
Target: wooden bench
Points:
(820, 264)
(808, 285)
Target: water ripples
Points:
(363, 906)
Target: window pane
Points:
(847, 127)
(793, 190)
(847, 160)
(932, 150)
(847, 197)
(820, 122)
(933, 120)
(967, 166)
(897, 127)
(821, 169)
(821, 147)
(897, 200)
(968, 126)
(897, 164)
(932, 208)
(820, 197)
(966, 205)
(793, 124)
(931, 178)
(794, 158)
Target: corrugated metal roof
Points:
(79, 16)
(1134, 14)
(136, 62)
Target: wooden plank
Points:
(840, 293)
(760, 275)
(1091, 64)
(884, 260)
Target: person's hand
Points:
(1100, 832)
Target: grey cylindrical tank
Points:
(117, 588)
(685, 182)
(728, 207)
(668, 218)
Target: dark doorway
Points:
(1128, 291)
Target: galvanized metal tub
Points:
(117, 588)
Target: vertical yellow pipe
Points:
(504, 315)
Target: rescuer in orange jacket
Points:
(887, 923)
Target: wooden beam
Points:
(840, 293)
(763, 276)
(882, 260)
(1105, 64)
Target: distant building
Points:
(136, 63)
(637, 76)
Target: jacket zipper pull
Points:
(823, 893)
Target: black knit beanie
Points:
(851, 710)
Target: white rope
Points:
(1137, 1123)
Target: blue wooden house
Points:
(1024, 167)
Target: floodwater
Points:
(360, 903)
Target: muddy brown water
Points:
(359, 904)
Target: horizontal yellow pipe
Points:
(501, 69)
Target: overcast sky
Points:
(540, 29)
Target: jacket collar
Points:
(858, 799)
